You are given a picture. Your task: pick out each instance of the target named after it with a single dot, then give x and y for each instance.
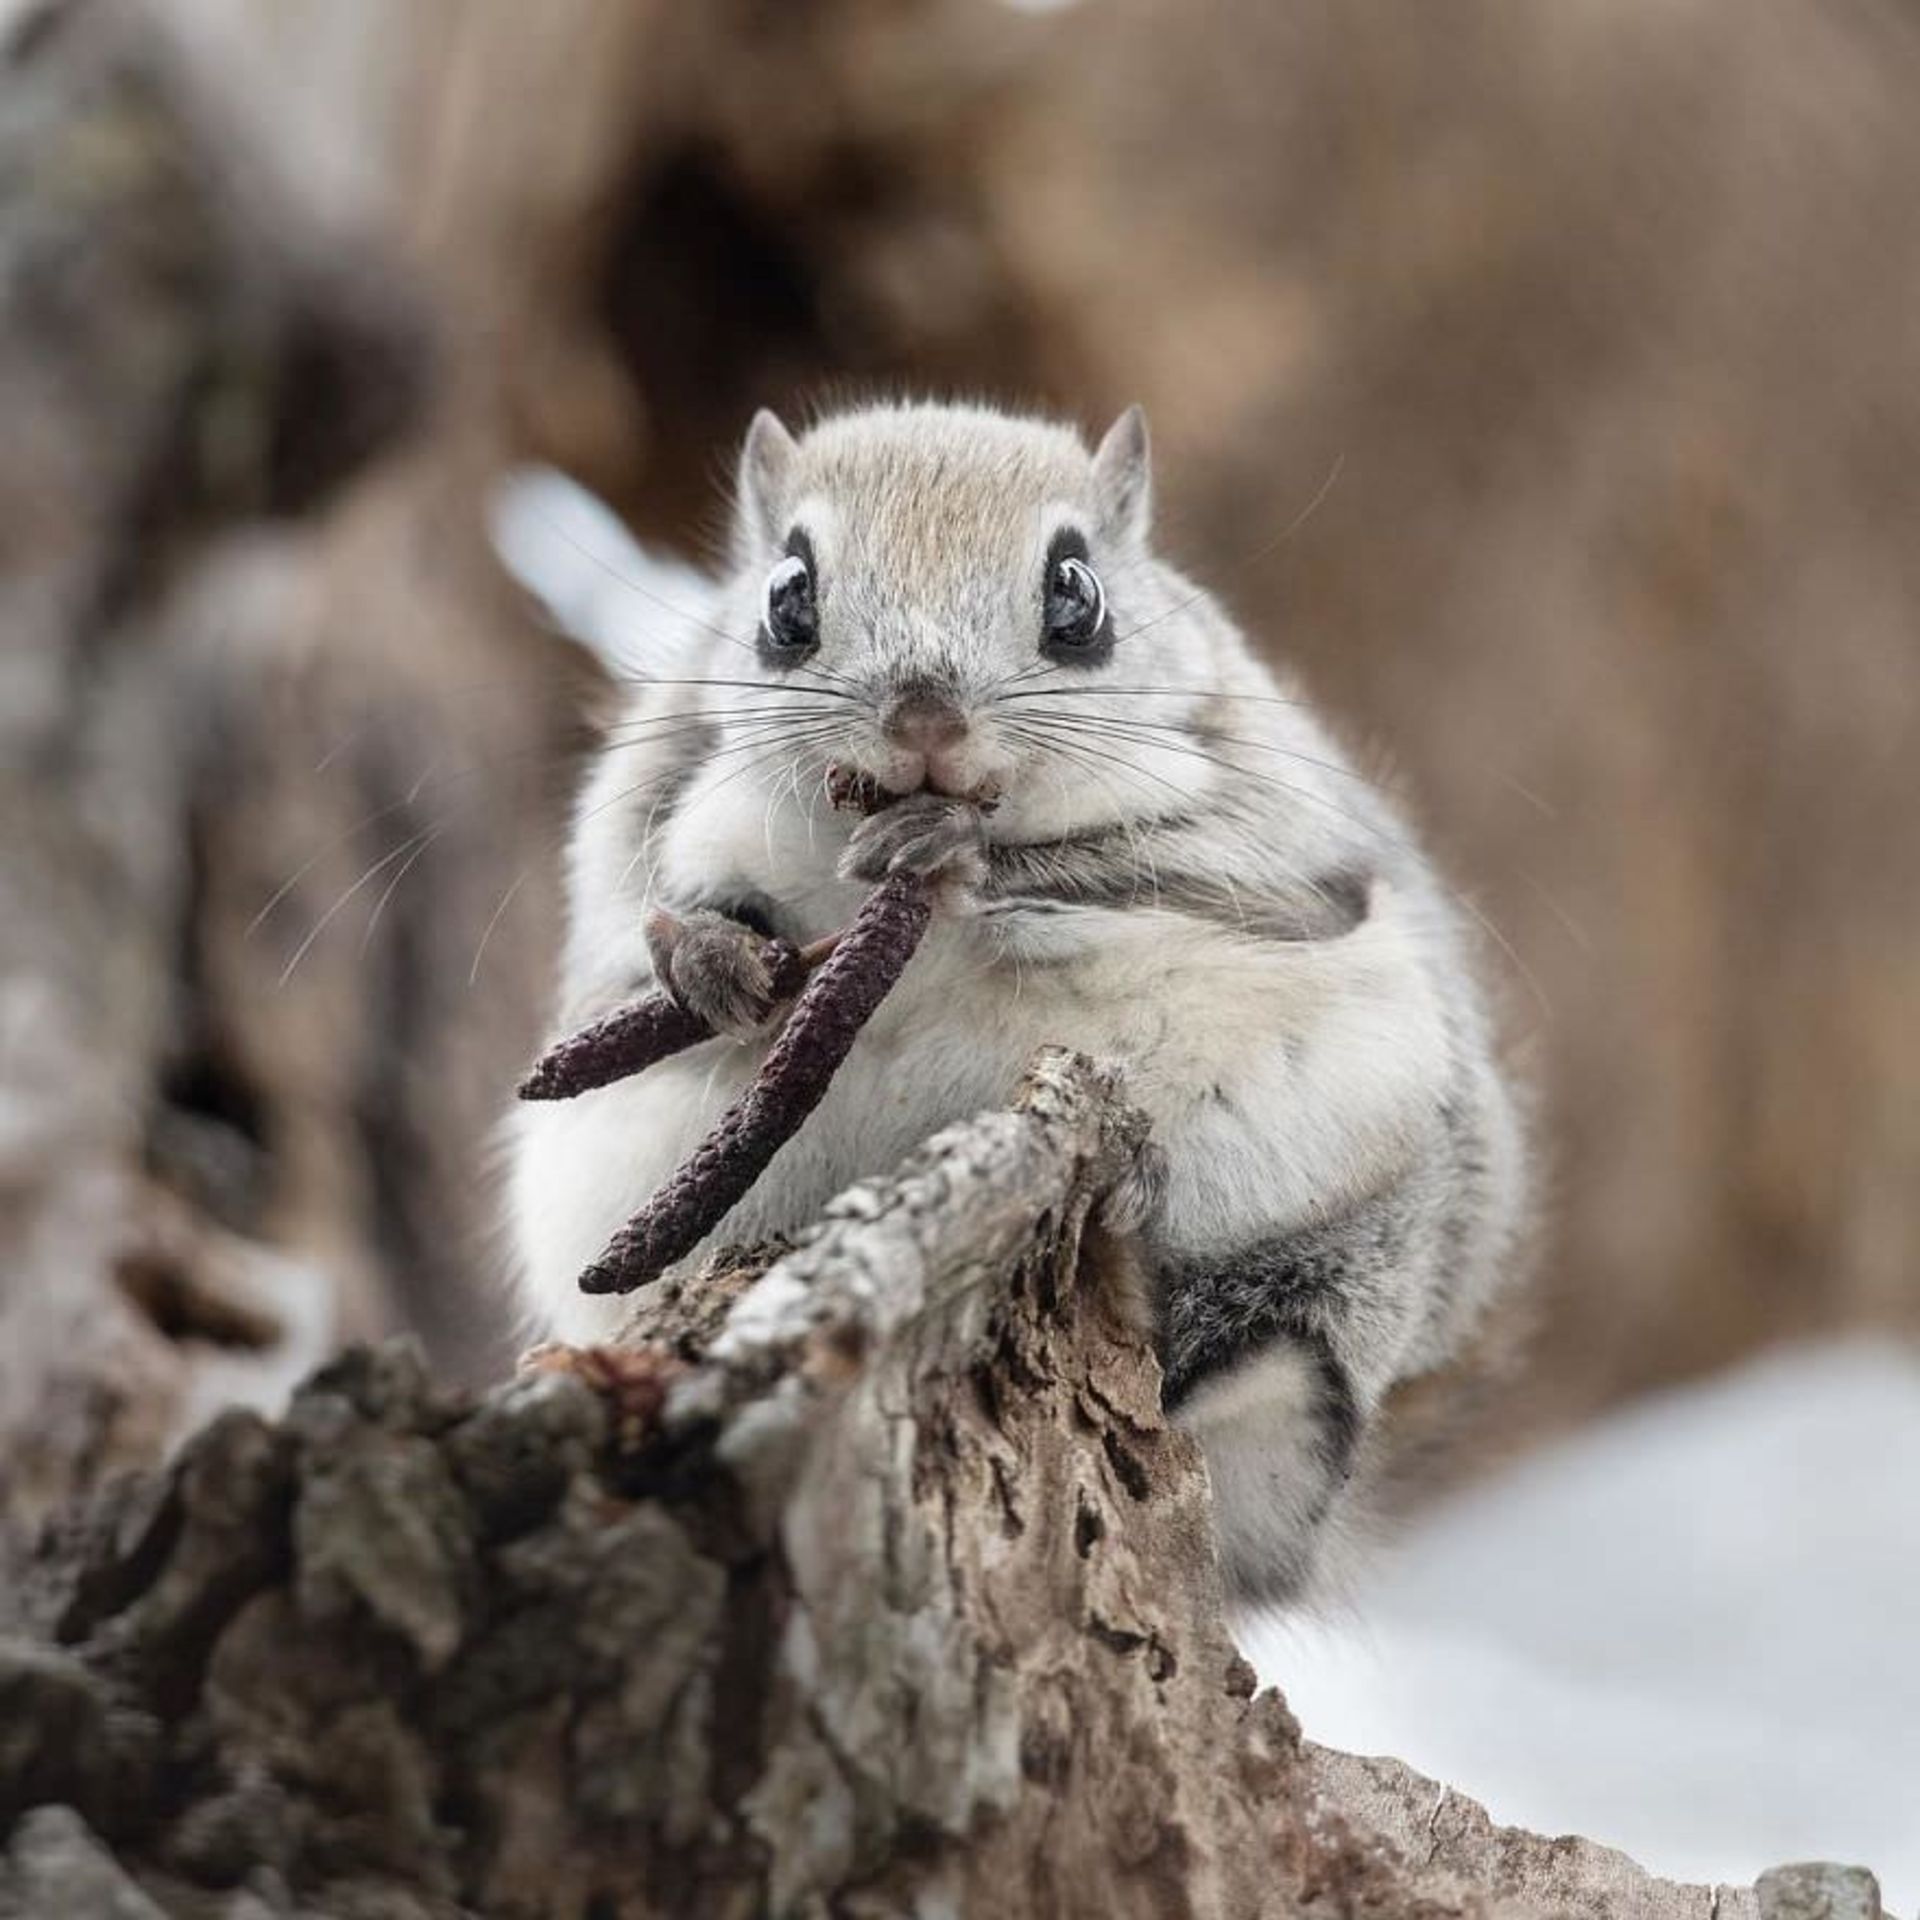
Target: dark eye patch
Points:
(789, 614)
(1076, 628)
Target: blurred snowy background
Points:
(1689, 1631)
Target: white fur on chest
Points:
(1279, 1077)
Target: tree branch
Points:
(887, 1591)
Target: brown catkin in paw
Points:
(635, 1037)
(820, 1032)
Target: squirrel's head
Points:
(954, 598)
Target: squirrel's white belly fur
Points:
(1220, 1040)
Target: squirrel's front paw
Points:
(926, 833)
(727, 974)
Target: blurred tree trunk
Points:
(176, 358)
(1583, 340)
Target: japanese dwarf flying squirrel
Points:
(1180, 873)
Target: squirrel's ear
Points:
(1123, 478)
(766, 464)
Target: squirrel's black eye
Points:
(1075, 625)
(789, 621)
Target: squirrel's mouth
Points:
(853, 787)
(948, 775)
(984, 794)
(981, 793)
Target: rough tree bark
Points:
(179, 355)
(867, 1584)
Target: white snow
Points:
(1691, 1631)
(640, 611)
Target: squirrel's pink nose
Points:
(922, 720)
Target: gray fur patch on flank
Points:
(1300, 1286)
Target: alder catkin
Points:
(635, 1037)
(826, 1020)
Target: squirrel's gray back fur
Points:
(1183, 873)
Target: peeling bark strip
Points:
(895, 1597)
(819, 1034)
